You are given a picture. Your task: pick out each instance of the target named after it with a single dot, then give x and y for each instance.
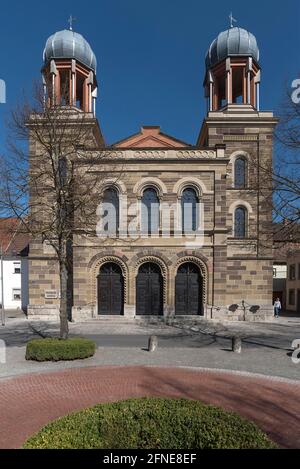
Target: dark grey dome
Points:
(67, 44)
(231, 43)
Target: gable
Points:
(150, 137)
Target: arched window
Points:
(189, 213)
(150, 211)
(111, 211)
(240, 222)
(240, 173)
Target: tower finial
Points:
(70, 21)
(232, 20)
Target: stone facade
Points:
(233, 270)
(229, 265)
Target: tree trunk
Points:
(63, 312)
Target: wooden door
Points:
(188, 291)
(149, 290)
(110, 290)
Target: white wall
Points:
(11, 281)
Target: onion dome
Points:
(67, 44)
(234, 42)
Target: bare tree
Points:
(48, 180)
(277, 182)
(286, 172)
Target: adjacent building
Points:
(285, 248)
(293, 281)
(14, 265)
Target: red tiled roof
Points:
(151, 137)
(12, 240)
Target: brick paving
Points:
(29, 402)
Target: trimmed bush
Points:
(151, 423)
(59, 349)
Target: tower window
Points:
(65, 88)
(79, 90)
(222, 100)
(238, 85)
(240, 173)
(240, 219)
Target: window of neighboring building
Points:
(292, 298)
(240, 220)
(17, 268)
(150, 211)
(292, 272)
(189, 210)
(240, 173)
(16, 294)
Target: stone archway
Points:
(149, 290)
(188, 290)
(95, 266)
(110, 290)
(201, 263)
(158, 259)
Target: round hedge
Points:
(59, 349)
(151, 423)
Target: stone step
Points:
(112, 319)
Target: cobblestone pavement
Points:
(29, 402)
(266, 347)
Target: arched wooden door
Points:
(188, 290)
(110, 290)
(149, 290)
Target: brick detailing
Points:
(273, 405)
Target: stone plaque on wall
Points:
(50, 294)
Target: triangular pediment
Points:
(151, 137)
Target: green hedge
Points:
(151, 423)
(59, 349)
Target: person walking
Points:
(277, 308)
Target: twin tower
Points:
(232, 71)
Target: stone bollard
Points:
(152, 343)
(236, 344)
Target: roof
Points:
(67, 44)
(232, 43)
(12, 240)
(151, 137)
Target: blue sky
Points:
(150, 55)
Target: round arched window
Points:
(240, 173)
(189, 206)
(240, 220)
(150, 211)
